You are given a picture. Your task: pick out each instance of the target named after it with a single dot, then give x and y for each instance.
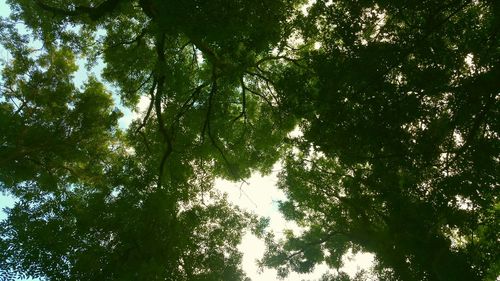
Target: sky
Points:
(259, 196)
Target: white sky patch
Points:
(199, 56)
(131, 115)
(472, 67)
(370, 28)
(295, 40)
(81, 75)
(305, 8)
(142, 106)
(469, 63)
(458, 138)
(458, 239)
(464, 203)
(356, 262)
(4, 9)
(261, 196)
(5, 56)
(130, 151)
(296, 133)
(469, 60)
(6, 202)
(253, 249)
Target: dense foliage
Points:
(397, 103)
(399, 110)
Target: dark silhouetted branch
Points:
(207, 129)
(150, 107)
(243, 102)
(136, 39)
(94, 13)
(260, 95)
(160, 46)
(188, 104)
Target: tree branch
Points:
(94, 13)
(150, 107)
(311, 244)
(281, 57)
(260, 95)
(267, 81)
(205, 49)
(188, 104)
(136, 39)
(146, 117)
(206, 126)
(160, 46)
(243, 102)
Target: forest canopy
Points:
(397, 103)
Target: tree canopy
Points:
(397, 103)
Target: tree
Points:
(399, 156)
(397, 103)
(151, 187)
